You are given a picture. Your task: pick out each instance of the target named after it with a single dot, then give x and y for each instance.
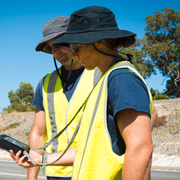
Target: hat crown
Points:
(55, 25)
(93, 18)
(92, 24)
(51, 29)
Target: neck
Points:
(105, 62)
(105, 56)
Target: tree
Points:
(14, 99)
(171, 89)
(20, 99)
(143, 65)
(25, 93)
(157, 95)
(163, 45)
(154, 92)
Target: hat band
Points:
(92, 30)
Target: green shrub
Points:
(20, 108)
(30, 107)
(160, 96)
(8, 110)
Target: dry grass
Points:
(13, 125)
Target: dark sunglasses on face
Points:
(48, 48)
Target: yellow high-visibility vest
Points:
(59, 112)
(95, 159)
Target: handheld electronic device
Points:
(7, 143)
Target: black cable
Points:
(57, 68)
(128, 55)
(103, 52)
(69, 74)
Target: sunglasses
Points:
(74, 47)
(48, 48)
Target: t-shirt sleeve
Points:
(127, 90)
(38, 96)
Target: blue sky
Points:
(21, 25)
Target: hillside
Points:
(17, 125)
(166, 138)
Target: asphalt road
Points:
(9, 170)
(165, 174)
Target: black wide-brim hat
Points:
(90, 25)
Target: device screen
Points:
(16, 142)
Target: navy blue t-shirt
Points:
(125, 90)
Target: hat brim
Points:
(43, 41)
(92, 37)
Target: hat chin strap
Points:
(103, 52)
(128, 55)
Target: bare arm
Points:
(135, 128)
(66, 160)
(37, 138)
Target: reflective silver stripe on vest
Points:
(97, 76)
(50, 100)
(126, 63)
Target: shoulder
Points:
(127, 90)
(40, 84)
(41, 81)
(126, 80)
(47, 76)
(124, 76)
